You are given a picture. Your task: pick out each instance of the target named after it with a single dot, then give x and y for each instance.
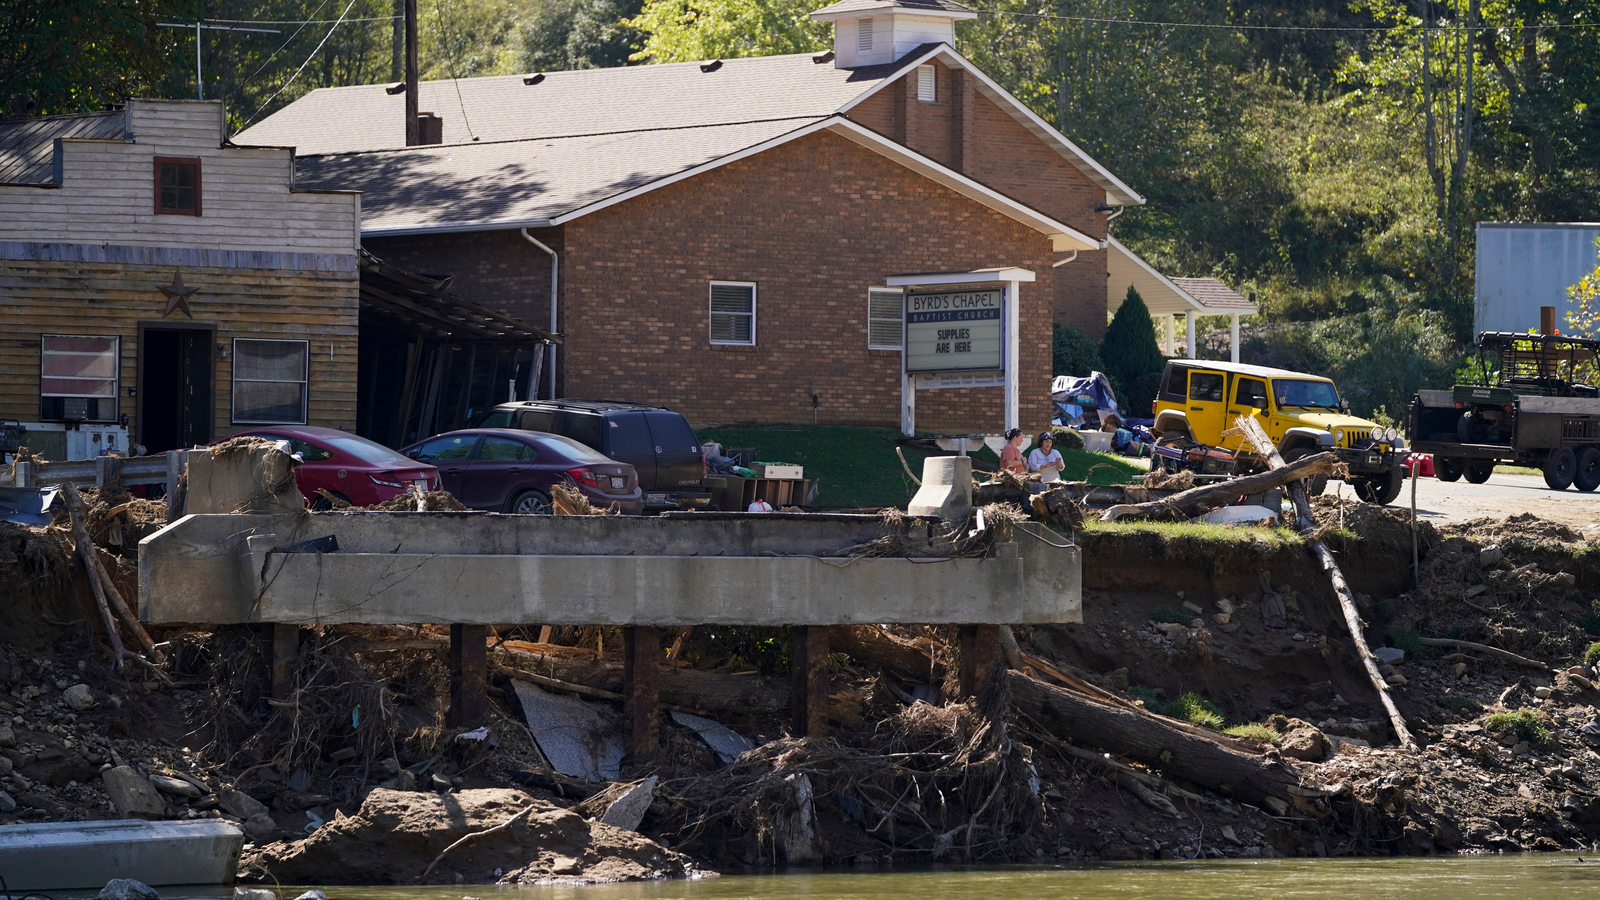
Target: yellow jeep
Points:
(1303, 414)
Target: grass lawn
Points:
(1504, 469)
(856, 467)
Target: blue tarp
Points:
(1093, 392)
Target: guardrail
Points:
(164, 468)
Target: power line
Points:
(304, 21)
(302, 68)
(1367, 29)
(274, 54)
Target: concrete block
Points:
(946, 489)
(257, 479)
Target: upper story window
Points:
(927, 84)
(733, 312)
(864, 34)
(177, 186)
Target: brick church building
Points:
(717, 236)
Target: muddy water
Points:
(1515, 877)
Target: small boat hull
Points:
(60, 855)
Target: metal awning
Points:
(426, 306)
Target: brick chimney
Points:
(875, 32)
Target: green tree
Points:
(1584, 318)
(581, 34)
(1129, 349)
(685, 30)
(67, 56)
(1073, 352)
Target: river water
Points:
(1527, 876)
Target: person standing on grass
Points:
(1045, 459)
(1011, 453)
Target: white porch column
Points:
(1172, 334)
(1188, 319)
(1233, 343)
(1011, 301)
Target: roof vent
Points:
(821, 58)
(393, 89)
(712, 66)
(864, 34)
(533, 79)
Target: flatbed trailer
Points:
(1533, 409)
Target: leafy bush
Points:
(1262, 734)
(1460, 704)
(1525, 722)
(1196, 710)
(1592, 655)
(1168, 614)
(1410, 642)
(1066, 438)
(1073, 352)
(1129, 349)
(1140, 692)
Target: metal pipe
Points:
(1061, 262)
(555, 285)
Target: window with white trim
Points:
(733, 312)
(78, 377)
(885, 318)
(864, 34)
(927, 84)
(270, 381)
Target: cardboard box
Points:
(781, 471)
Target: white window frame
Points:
(899, 320)
(234, 380)
(116, 365)
(928, 84)
(713, 313)
(864, 34)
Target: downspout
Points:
(1061, 262)
(1114, 215)
(555, 284)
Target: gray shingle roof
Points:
(586, 101)
(27, 146)
(849, 6)
(518, 183)
(1213, 294)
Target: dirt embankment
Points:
(357, 778)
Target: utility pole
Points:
(412, 136)
(199, 79)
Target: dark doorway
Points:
(175, 387)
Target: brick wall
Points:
(814, 223)
(968, 132)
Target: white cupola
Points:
(875, 32)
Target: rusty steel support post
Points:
(980, 649)
(641, 682)
(469, 673)
(285, 646)
(808, 672)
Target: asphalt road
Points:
(1501, 495)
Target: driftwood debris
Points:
(1307, 526)
(1496, 652)
(1148, 739)
(1223, 492)
(76, 510)
(874, 647)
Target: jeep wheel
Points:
(1381, 489)
(1559, 468)
(1448, 469)
(1587, 477)
(1316, 484)
(1479, 472)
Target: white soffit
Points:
(1000, 275)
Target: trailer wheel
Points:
(1447, 469)
(1587, 478)
(1559, 468)
(1479, 472)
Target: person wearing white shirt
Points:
(1045, 459)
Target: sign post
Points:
(961, 329)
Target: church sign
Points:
(953, 331)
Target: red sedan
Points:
(351, 468)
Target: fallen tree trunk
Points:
(735, 696)
(1223, 492)
(873, 647)
(1495, 652)
(1307, 525)
(1145, 738)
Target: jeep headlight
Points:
(1338, 437)
(1386, 435)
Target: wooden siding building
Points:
(157, 276)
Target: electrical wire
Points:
(303, 21)
(1306, 28)
(274, 54)
(302, 68)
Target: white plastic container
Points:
(1096, 441)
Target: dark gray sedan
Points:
(509, 470)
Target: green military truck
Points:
(1536, 406)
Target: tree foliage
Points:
(1129, 349)
(67, 56)
(1073, 352)
(1584, 317)
(685, 30)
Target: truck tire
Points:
(1479, 472)
(1587, 478)
(1381, 489)
(1316, 484)
(1448, 469)
(1559, 468)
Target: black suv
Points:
(657, 442)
